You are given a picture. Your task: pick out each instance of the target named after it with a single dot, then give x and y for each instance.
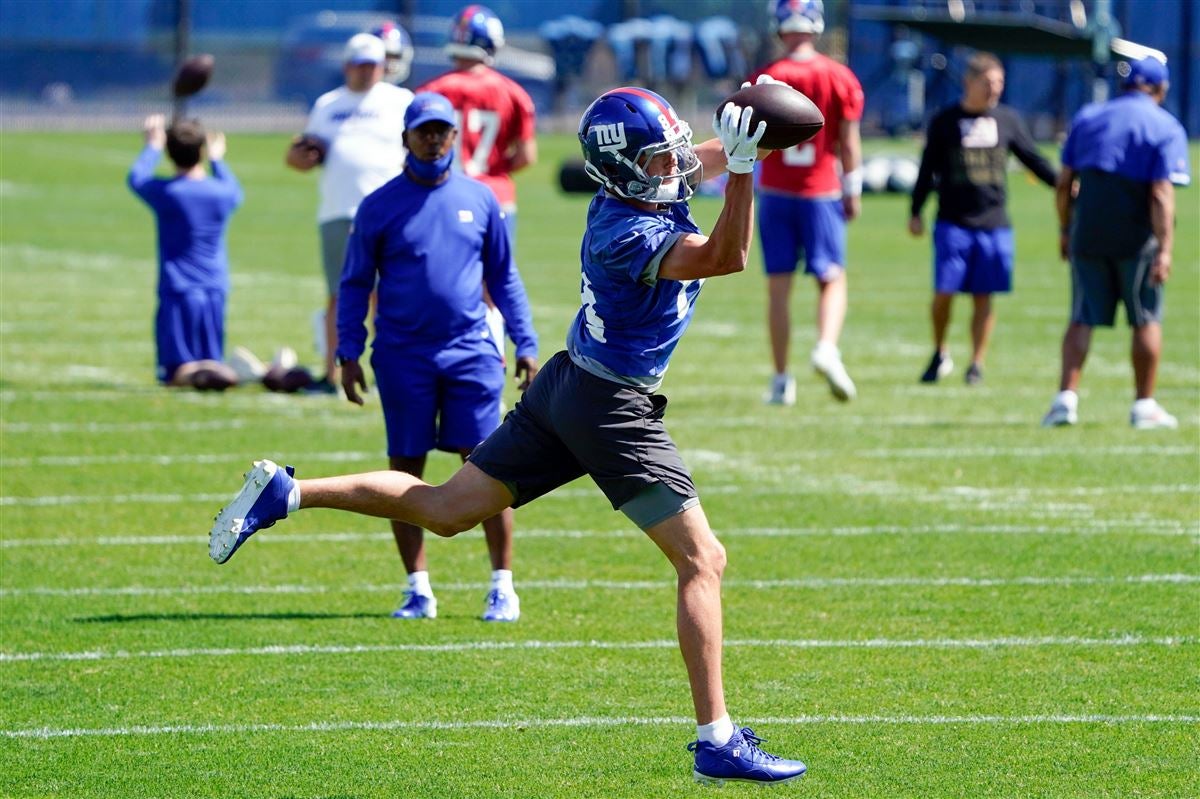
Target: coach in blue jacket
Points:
(427, 242)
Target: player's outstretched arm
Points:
(724, 251)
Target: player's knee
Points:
(454, 521)
(710, 558)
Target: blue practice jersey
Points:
(428, 250)
(630, 321)
(1130, 136)
(192, 216)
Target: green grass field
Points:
(928, 595)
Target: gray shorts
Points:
(334, 235)
(570, 423)
(1098, 284)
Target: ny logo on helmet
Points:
(609, 138)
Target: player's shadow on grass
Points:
(123, 618)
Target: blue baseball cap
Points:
(1148, 71)
(428, 107)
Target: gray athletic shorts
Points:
(1098, 284)
(570, 423)
(334, 235)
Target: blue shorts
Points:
(446, 399)
(972, 261)
(795, 227)
(189, 326)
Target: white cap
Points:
(365, 48)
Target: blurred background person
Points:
(803, 205)
(1116, 208)
(354, 133)
(966, 162)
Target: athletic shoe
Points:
(827, 362)
(939, 366)
(740, 760)
(501, 606)
(246, 365)
(262, 501)
(974, 375)
(416, 606)
(1060, 415)
(782, 391)
(1153, 417)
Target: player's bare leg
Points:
(1145, 351)
(418, 601)
(501, 602)
(940, 364)
(782, 390)
(1075, 344)
(831, 315)
(699, 561)
(983, 322)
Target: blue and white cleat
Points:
(262, 501)
(501, 606)
(740, 760)
(416, 606)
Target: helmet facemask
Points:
(675, 186)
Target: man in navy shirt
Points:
(1116, 206)
(593, 408)
(427, 241)
(192, 211)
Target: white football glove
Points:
(739, 144)
(763, 78)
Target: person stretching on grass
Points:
(592, 409)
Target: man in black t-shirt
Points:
(966, 161)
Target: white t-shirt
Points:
(365, 149)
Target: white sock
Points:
(1147, 405)
(718, 733)
(418, 583)
(502, 581)
(1067, 399)
(294, 497)
(826, 346)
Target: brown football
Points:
(192, 75)
(790, 116)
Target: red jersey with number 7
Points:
(811, 169)
(494, 114)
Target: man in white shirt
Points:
(354, 133)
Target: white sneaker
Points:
(1149, 415)
(782, 391)
(1063, 411)
(246, 365)
(827, 362)
(285, 358)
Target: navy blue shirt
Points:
(428, 250)
(192, 216)
(630, 320)
(1118, 149)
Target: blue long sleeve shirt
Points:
(428, 250)
(191, 216)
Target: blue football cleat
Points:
(262, 501)
(501, 606)
(416, 606)
(740, 760)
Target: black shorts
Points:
(570, 423)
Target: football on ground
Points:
(790, 116)
(192, 75)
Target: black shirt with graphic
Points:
(966, 161)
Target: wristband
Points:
(852, 182)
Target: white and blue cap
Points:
(428, 107)
(364, 48)
(1148, 71)
(797, 16)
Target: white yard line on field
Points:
(1001, 498)
(1087, 527)
(614, 585)
(303, 650)
(600, 722)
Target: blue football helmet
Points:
(477, 34)
(622, 132)
(399, 49)
(798, 16)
